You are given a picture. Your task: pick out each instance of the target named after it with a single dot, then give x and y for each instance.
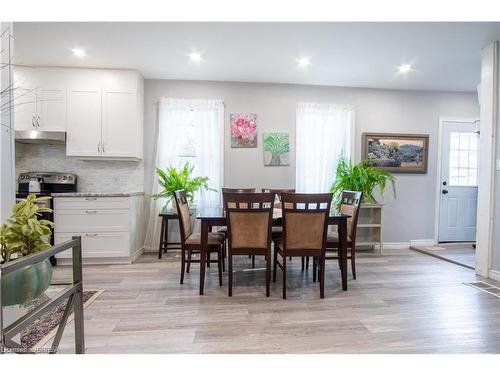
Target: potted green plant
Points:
(173, 179)
(363, 177)
(24, 234)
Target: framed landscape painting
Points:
(397, 153)
(276, 149)
(243, 130)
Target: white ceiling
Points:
(445, 56)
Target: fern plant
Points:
(24, 233)
(173, 179)
(362, 177)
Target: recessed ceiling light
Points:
(304, 61)
(195, 57)
(78, 52)
(405, 68)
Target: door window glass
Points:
(463, 159)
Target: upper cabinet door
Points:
(83, 137)
(51, 109)
(24, 93)
(25, 109)
(120, 128)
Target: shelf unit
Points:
(370, 226)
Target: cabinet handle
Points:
(38, 121)
(90, 234)
(91, 212)
(99, 147)
(33, 121)
(91, 199)
(103, 147)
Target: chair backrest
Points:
(249, 219)
(235, 190)
(349, 205)
(278, 192)
(305, 221)
(183, 213)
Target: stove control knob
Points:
(70, 178)
(64, 177)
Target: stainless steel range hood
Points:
(40, 137)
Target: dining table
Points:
(215, 216)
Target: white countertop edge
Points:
(77, 195)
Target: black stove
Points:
(50, 182)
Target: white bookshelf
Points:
(370, 226)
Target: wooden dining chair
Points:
(349, 205)
(305, 223)
(249, 220)
(191, 242)
(235, 190)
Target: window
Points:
(323, 137)
(191, 131)
(463, 159)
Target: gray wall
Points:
(408, 217)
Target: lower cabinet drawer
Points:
(91, 220)
(96, 245)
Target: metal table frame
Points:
(73, 293)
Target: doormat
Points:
(42, 330)
(485, 287)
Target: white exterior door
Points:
(119, 124)
(84, 123)
(51, 109)
(459, 176)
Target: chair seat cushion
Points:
(213, 239)
(333, 237)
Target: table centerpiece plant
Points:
(364, 177)
(173, 179)
(24, 234)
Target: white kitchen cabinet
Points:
(119, 124)
(51, 108)
(83, 137)
(100, 109)
(38, 106)
(111, 227)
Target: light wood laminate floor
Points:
(402, 302)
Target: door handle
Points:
(444, 191)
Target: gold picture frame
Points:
(397, 152)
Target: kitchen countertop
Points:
(84, 195)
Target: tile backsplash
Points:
(99, 176)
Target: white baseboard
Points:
(395, 245)
(427, 242)
(495, 275)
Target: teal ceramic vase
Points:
(26, 283)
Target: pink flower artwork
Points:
(243, 130)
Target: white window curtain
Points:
(188, 130)
(324, 134)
